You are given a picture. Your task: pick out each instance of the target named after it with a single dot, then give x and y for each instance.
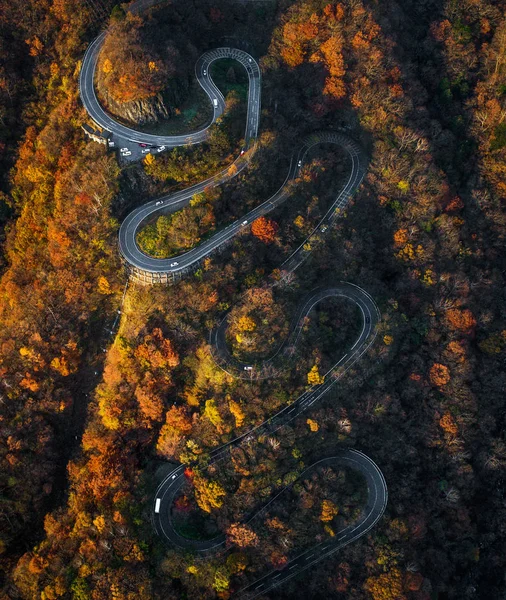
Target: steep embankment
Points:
(136, 81)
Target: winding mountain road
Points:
(377, 495)
(139, 262)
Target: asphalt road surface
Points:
(354, 459)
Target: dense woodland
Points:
(90, 420)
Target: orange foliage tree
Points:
(439, 374)
(264, 229)
(157, 351)
(463, 320)
(242, 535)
(448, 424)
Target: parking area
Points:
(129, 151)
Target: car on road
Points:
(249, 59)
(159, 202)
(146, 150)
(127, 153)
(143, 145)
(324, 228)
(244, 223)
(160, 148)
(299, 164)
(367, 320)
(215, 102)
(205, 72)
(124, 150)
(243, 151)
(174, 264)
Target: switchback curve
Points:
(378, 494)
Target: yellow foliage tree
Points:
(103, 286)
(100, 523)
(208, 494)
(314, 377)
(313, 425)
(149, 159)
(299, 222)
(329, 511)
(107, 66)
(388, 586)
(246, 323)
(60, 365)
(237, 412)
(221, 581)
(212, 413)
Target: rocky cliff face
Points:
(139, 112)
(148, 110)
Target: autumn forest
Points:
(108, 386)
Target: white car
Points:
(299, 163)
(243, 151)
(127, 153)
(174, 264)
(324, 228)
(159, 202)
(160, 149)
(248, 368)
(124, 150)
(249, 59)
(215, 102)
(146, 150)
(244, 223)
(205, 72)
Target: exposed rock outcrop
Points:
(147, 110)
(139, 112)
